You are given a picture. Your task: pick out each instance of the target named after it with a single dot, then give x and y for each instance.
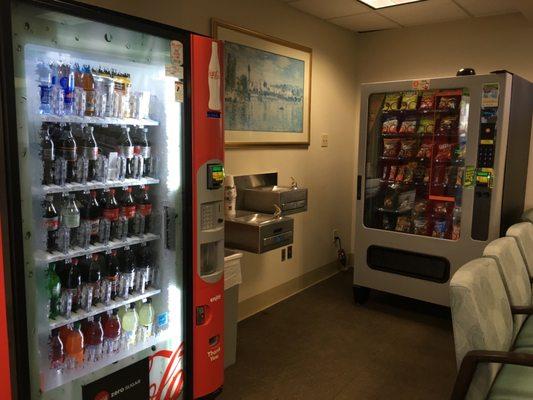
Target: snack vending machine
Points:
(111, 153)
(442, 171)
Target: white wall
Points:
(327, 172)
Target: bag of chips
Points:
(448, 103)
(419, 173)
(388, 222)
(400, 174)
(392, 102)
(450, 175)
(409, 100)
(408, 149)
(459, 152)
(390, 126)
(409, 172)
(403, 224)
(391, 148)
(444, 152)
(420, 207)
(408, 126)
(425, 150)
(448, 125)
(440, 227)
(420, 226)
(426, 126)
(391, 199)
(392, 172)
(440, 209)
(459, 177)
(427, 102)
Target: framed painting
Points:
(267, 88)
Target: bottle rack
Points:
(78, 187)
(55, 379)
(46, 257)
(75, 119)
(100, 308)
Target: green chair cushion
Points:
(514, 382)
(525, 335)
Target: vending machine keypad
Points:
(211, 216)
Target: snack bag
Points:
(448, 103)
(409, 100)
(408, 126)
(385, 175)
(440, 227)
(400, 174)
(459, 177)
(392, 172)
(391, 148)
(388, 222)
(391, 198)
(444, 152)
(408, 149)
(440, 209)
(406, 200)
(420, 226)
(425, 150)
(427, 102)
(419, 173)
(448, 125)
(409, 172)
(459, 152)
(420, 207)
(426, 126)
(450, 175)
(403, 224)
(392, 102)
(390, 126)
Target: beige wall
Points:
(486, 44)
(325, 171)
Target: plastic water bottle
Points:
(57, 95)
(44, 79)
(66, 81)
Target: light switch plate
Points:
(324, 140)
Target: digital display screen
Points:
(215, 176)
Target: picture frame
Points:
(267, 96)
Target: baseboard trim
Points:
(264, 300)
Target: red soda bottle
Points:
(144, 205)
(128, 207)
(94, 338)
(112, 332)
(56, 351)
(111, 212)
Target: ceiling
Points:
(353, 15)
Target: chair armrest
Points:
(528, 310)
(474, 357)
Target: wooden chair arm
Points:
(474, 357)
(528, 310)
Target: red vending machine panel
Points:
(208, 217)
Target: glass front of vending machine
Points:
(100, 121)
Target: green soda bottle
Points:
(54, 290)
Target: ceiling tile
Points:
(479, 8)
(425, 12)
(369, 21)
(330, 8)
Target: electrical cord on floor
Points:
(341, 254)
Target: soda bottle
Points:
(74, 344)
(144, 267)
(88, 87)
(54, 291)
(66, 81)
(128, 206)
(94, 214)
(112, 333)
(144, 205)
(70, 214)
(44, 80)
(56, 351)
(127, 272)
(110, 212)
(125, 149)
(67, 148)
(51, 222)
(95, 277)
(89, 150)
(93, 334)
(111, 277)
(79, 94)
(213, 79)
(146, 319)
(57, 99)
(70, 288)
(145, 149)
(48, 156)
(130, 322)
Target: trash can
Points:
(232, 280)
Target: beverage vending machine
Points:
(442, 171)
(112, 223)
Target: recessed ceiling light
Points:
(377, 4)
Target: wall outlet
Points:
(324, 140)
(289, 252)
(336, 234)
(283, 257)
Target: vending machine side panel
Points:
(5, 379)
(208, 217)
